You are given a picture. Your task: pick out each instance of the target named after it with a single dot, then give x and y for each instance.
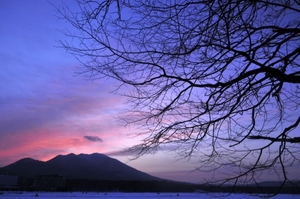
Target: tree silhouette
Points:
(217, 80)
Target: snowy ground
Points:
(93, 195)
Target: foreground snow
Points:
(92, 195)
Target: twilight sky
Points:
(47, 109)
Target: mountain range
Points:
(83, 166)
(98, 172)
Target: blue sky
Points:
(48, 109)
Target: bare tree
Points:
(215, 79)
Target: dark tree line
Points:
(213, 79)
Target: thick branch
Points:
(291, 140)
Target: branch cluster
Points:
(204, 76)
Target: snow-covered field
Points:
(93, 195)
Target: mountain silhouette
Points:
(83, 166)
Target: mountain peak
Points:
(26, 160)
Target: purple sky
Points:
(46, 109)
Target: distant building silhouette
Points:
(8, 181)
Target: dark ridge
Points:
(94, 166)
